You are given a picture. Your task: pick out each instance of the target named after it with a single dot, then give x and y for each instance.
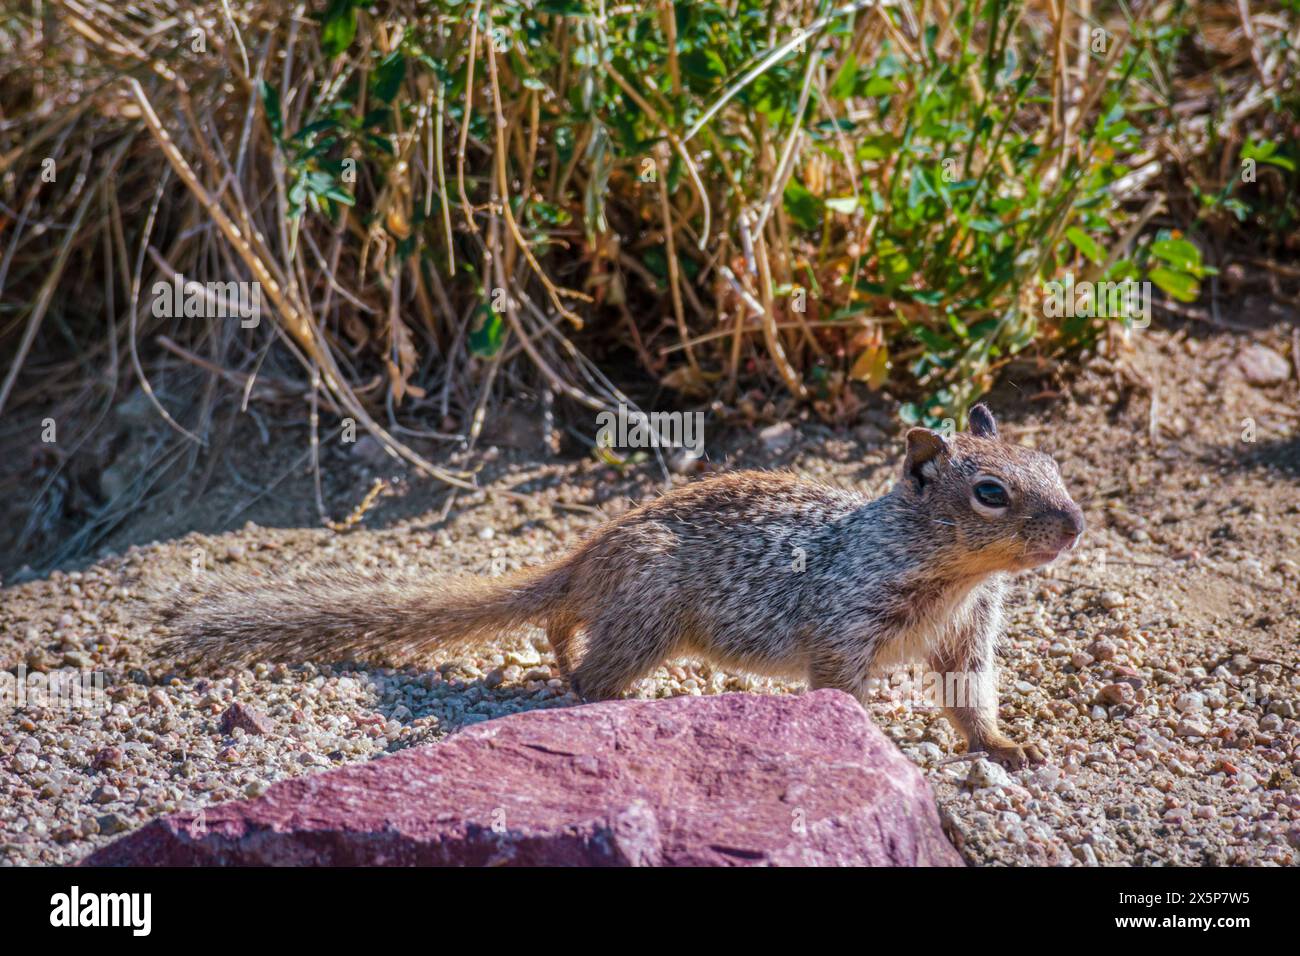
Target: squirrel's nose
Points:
(1071, 525)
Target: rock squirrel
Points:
(755, 571)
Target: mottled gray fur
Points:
(759, 572)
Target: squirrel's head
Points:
(1005, 504)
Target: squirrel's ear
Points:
(923, 449)
(982, 424)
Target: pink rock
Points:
(730, 780)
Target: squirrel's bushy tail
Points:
(342, 615)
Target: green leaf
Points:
(1085, 244)
(488, 332)
(845, 79)
(1179, 253)
(704, 64)
(389, 75)
(876, 147)
(339, 195)
(919, 189)
(1178, 285)
(323, 146)
(318, 180)
(544, 214)
(564, 8)
(381, 143)
(844, 204)
(316, 127)
(932, 339)
(880, 86)
(339, 28)
(1266, 152)
(802, 206)
(271, 103)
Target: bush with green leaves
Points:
(747, 199)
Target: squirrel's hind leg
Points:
(619, 651)
(560, 630)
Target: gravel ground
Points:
(1157, 663)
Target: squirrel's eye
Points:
(991, 494)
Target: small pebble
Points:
(1111, 599)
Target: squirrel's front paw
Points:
(1013, 755)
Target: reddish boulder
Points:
(736, 779)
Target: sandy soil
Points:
(1157, 663)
